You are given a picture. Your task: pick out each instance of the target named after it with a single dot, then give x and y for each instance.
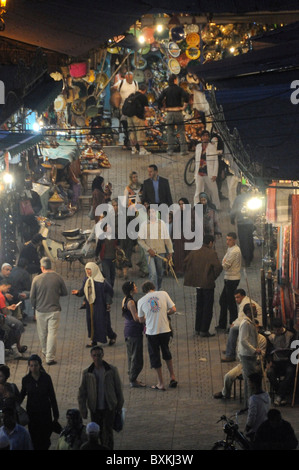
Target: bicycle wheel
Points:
(189, 172)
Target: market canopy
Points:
(15, 143)
(76, 27)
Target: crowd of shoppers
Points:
(100, 394)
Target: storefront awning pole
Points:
(114, 73)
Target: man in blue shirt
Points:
(18, 436)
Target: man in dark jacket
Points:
(156, 189)
(30, 251)
(174, 99)
(137, 122)
(202, 267)
(101, 392)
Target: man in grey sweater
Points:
(46, 290)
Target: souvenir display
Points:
(174, 66)
(174, 49)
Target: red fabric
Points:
(2, 301)
(271, 214)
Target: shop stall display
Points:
(282, 258)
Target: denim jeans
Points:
(175, 125)
(156, 269)
(232, 339)
(135, 356)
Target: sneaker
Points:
(144, 152)
(134, 150)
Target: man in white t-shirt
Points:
(153, 310)
(126, 87)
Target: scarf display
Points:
(96, 276)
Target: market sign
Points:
(2, 93)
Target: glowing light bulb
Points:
(254, 203)
(7, 178)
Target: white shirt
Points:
(231, 263)
(154, 307)
(241, 314)
(126, 89)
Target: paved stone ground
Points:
(184, 418)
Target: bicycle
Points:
(189, 172)
(234, 439)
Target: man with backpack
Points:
(125, 87)
(135, 108)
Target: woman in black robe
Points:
(95, 289)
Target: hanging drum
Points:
(193, 53)
(174, 49)
(192, 39)
(59, 104)
(177, 33)
(174, 66)
(78, 107)
(138, 76)
(140, 62)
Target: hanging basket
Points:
(78, 69)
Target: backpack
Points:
(131, 105)
(121, 84)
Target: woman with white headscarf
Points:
(95, 289)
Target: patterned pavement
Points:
(187, 415)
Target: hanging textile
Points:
(295, 242)
(271, 215)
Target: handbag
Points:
(119, 420)
(22, 415)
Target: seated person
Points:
(241, 299)
(278, 362)
(275, 433)
(11, 328)
(236, 371)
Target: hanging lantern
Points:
(148, 34)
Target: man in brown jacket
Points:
(101, 393)
(202, 267)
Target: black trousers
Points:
(227, 302)
(245, 234)
(204, 309)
